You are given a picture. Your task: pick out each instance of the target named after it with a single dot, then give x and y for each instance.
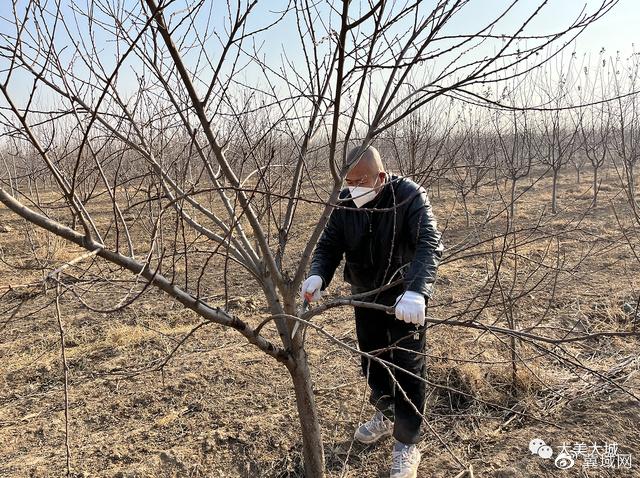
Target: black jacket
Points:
(394, 235)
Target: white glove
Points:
(410, 307)
(311, 289)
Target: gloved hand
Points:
(410, 306)
(311, 289)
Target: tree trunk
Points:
(512, 205)
(298, 367)
(631, 186)
(554, 192)
(312, 449)
(466, 209)
(595, 187)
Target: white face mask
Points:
(361, 195)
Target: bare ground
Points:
(221, 408)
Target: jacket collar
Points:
(385, 191)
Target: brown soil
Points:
(222, 408)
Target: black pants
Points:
(395, 341)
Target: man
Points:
(388, 235)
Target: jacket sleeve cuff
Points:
(425, 289)
(315, 272)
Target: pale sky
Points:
(616, 31)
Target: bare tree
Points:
(626, 136)
(467, 154)
(595, 120)
(198, 138)
(557, 132)
(514, 152)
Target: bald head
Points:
(368, 168)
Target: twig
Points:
(56, 272)
(65, 370)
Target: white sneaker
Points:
(405, 461)
(375, 429)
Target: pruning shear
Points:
(303, 308)
(392, 311)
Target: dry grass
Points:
(223, 409)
